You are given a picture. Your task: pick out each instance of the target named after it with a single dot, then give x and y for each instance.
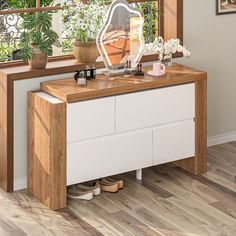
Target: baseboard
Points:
(20, 183)
(222, 138)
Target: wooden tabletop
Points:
(68, 90)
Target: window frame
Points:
(38, 8)
(170, 25)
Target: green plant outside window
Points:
(36, 28)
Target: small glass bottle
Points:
(93, 72)
(88, 73)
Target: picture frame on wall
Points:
(225, 7)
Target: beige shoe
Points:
(93, 187)
(74, 193)
(111, 180)
(108, 187)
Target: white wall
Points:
(212, 41)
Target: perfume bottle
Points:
(139, 71)
(93, 72)
(80, 77)
(87, 73)
(77, 74)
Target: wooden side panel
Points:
(3, 130)
(173, 19)
(198, 164)
(47, 151)
(6, 133)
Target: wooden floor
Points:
(168, 201)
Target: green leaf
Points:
(44, 21)
(29, 22)
(26, 53)
(36, 37)
(37, 29)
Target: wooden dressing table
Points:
(77, 134)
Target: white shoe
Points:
(95, 188)
(74, 193)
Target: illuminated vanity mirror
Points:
(120, 40)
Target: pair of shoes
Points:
(83, 192)
(94, 187)
(111, 185)
(74, 193)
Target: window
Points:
(10, 19)
(150, 10)
(9, 24)
(9, 33)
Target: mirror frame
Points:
(106, 24)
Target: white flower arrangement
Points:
(83, 21)
(165, 48)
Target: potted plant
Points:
(37, 36)
(83, 22)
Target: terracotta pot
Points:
(38, 60)
(86, 52)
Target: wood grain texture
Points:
(30, 10)
(6, 133)
(198, 164)
(172, 19)
(47, 151)
(21, 215)
(68, 91)
(168, 202)
(55, 67)
(190, 205)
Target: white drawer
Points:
(155, 107)
(173, 142)
(90, 119)
(107, 156)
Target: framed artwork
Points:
(225, 7)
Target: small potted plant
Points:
(165, 49)
(83, 22)
(37, 36)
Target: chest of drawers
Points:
(89, 138)
(112, 135)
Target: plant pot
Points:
(39, 60)
(86, 52)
